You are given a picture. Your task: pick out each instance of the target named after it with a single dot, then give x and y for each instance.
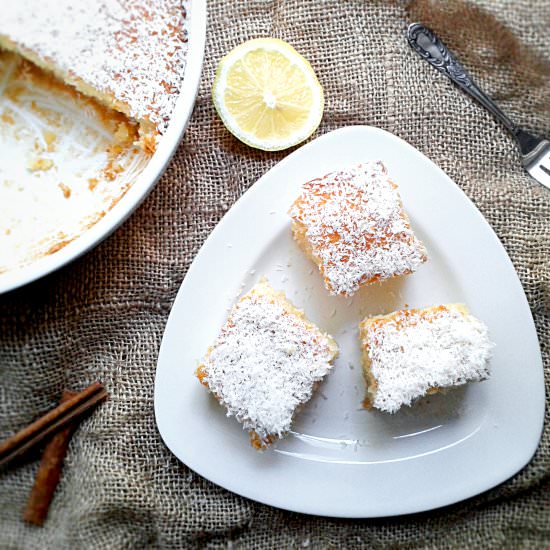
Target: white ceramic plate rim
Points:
(147, 179)
(171, 429)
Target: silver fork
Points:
(535, 151)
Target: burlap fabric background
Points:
(103, 316)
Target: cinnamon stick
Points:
(49, 472)
(52, 422)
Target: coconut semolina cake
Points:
(410, 353)
(266, 363)
(352, 224)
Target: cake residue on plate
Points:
(65, 161)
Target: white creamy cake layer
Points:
(410, 353)
(266, 362)
(353, 225)
(128, 53)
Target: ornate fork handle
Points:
(430, 47)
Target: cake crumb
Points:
(123, 134)
(66, 190)
(40, 165)
(49, 138)
(7, 118)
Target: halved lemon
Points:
(267, 94)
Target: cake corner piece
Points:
(353, 225)
(266, 362)
(411, 353)
(104, 50)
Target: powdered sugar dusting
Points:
(416, 350)
(132, 49)
(356, 227)
(265, 362)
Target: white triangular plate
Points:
(341, 460)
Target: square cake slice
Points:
(266, 362)
(410, 353)
(352, 224)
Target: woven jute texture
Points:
(102, 317)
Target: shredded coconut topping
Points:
(413, 351)
(265, 362)
(356, 227)
(132, 49)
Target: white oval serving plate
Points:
(145, 181)
(341, 460)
